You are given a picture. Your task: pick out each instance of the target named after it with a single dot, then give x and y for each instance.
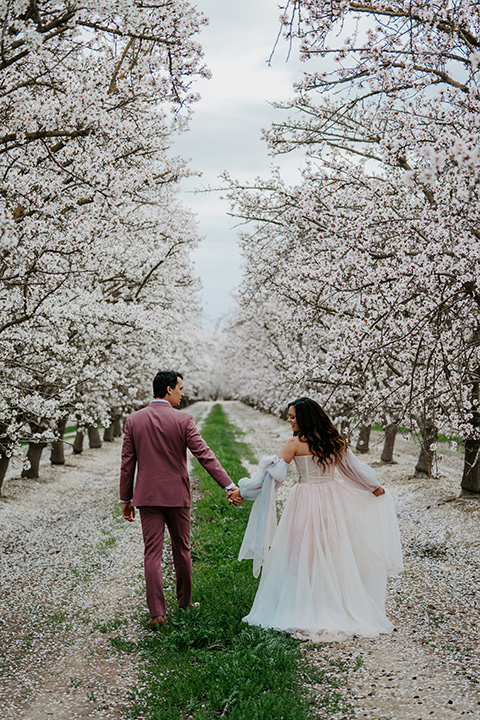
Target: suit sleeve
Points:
(198, 447)
(129, 462)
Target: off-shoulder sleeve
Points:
(278, 469)
(351, 468)
(250, 487)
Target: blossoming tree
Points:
(90, 97)
(387, 212)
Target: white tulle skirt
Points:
(333, 550)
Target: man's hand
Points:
(379, 491)
(234, 496)
(128, 512)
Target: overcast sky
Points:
(226, 129)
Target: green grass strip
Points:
(206, 663)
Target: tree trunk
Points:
(363, 443)
(34, 454)
(57, 456)
(4, 460)
(427, 455)
(471, 466)
(115, 428)
(108, 434)
(389, 444)
(78, 442)
(94, 437)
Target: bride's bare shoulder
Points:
(290, 449)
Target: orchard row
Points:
(97, 288)
(362, 281)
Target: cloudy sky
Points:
(226, 129)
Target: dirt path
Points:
(430, 666)
(71, 580)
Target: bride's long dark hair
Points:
(316, 429)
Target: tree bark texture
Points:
(34, 455)
(117, 427)
(78, 442)
(57, 455)
(363, 442)
(389, 443)
(4, 461)
(471, 466)
(108, 435)
(94, 440)
(427, 455)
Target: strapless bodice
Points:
(309, 471)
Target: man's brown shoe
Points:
(192, 605)
(156, 622)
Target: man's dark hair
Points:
(163, 380)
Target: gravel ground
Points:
(430, 666)
(71, 580)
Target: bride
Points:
(324, 577)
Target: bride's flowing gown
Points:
(324, 578)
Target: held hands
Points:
(234, 496)
(128, 512)
(379, 491)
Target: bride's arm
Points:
(359, 472)
(276, 467)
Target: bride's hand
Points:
(379, 491)
(234, 496)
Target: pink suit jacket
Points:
(155, 442)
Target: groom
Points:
(155, 442)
